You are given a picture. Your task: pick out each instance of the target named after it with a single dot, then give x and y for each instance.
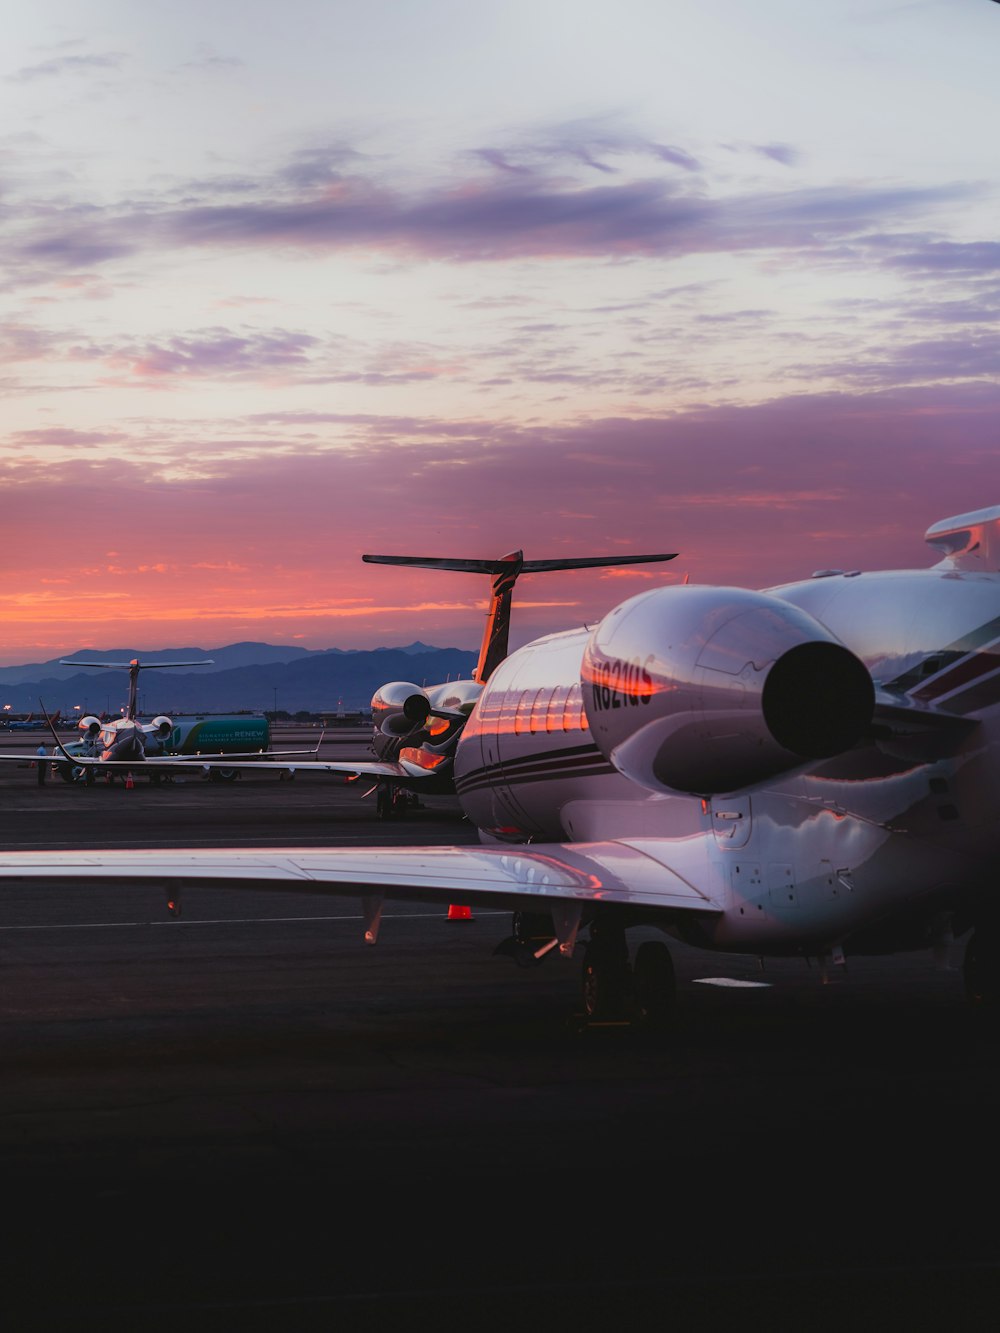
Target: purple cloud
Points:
(493, 157)
(319, 199)
(783, 153)
(216, 352)
(544, 218)
(968, 257)
(55, 437)
(66, 65)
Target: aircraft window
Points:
(522, 715)
(507, 714)
(555, 718)
(539, 706)
(568, 711)
(574, 717)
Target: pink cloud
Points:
(273, 540)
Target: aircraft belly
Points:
(808, 886)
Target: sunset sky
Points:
(286, 283)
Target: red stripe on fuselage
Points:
(969, 669)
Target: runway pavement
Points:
(246, 1118)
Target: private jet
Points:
(120, 745)
(807, 770)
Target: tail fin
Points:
(504, 574)
(133, 668)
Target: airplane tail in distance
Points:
(504, 573)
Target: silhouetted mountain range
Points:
(258, 677)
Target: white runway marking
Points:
(733, 982)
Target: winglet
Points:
(58, 743)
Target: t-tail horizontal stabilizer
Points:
(133, 668)
(504, 573)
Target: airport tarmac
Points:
(245, 1118)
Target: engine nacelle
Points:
(160, 727)
(90, 725)
(704, 690)
(399, 707)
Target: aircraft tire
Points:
(605, 983)
(654, 986)
(68, 772)
(981, 967)
(222, 775)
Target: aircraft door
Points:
(732, 820)
(500, 751)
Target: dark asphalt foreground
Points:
(246, 1119)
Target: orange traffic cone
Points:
(459, 913)
(129, 784)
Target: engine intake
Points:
(704, 690)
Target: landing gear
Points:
(981, 968)
(531, 928)
(223, 775)
(606, 976)
(530, 940)
(391, 802)
(654, 986)
(643, 994)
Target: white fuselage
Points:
(885, 846)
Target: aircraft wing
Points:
(287, 759)
(644, 873)
(59, 755)
(179, 763)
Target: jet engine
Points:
(90, 726)
(160, 727)
(398, 708)
(704, 690)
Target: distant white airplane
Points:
(810, 770)
(125, 738)
(119, 745)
